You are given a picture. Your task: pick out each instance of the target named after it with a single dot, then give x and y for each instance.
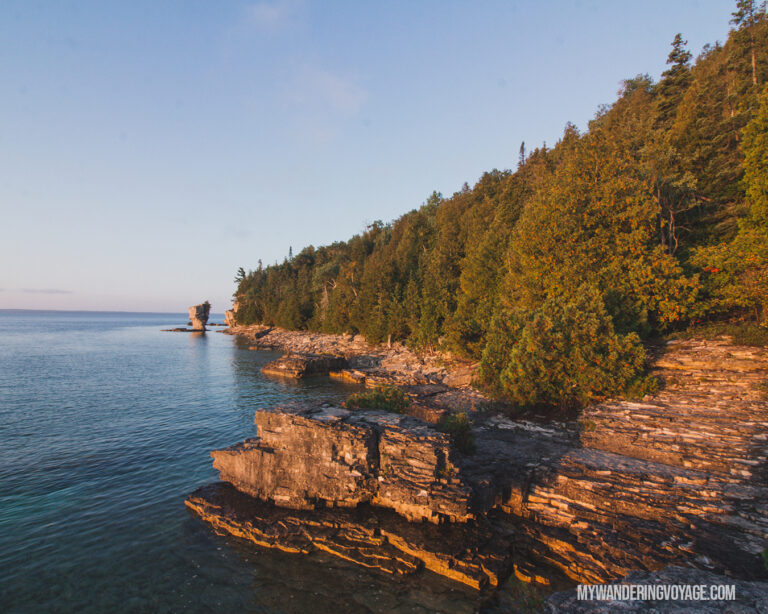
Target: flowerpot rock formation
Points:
(198, 315)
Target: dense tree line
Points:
(552, 275)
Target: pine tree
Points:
(744, 18)
(674, 82)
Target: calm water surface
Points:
(105, 426)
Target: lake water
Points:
(106, 423)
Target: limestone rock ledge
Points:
(297, 366)
(309, 457)
(475, 555)
(677, 478)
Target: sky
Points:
(148, 149)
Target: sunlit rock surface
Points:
(229, 318)
(319, 456)
(297, 366)
(677, 478)
(369, 536)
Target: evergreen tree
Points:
(744, 18)
(551, 275)
(674, 82)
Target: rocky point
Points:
(673, 479)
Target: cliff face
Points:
(309, 457)
(676, 478)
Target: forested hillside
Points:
(552, 274)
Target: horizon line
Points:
(93, 311)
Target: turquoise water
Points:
(105, 426)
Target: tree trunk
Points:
(754, 66)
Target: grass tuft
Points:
(388, 398)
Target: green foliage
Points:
(641, 386)
(550, 275)
(737, 270)
(742, 333)
(674, 83)
(563, 353)
(388, 398)
(459, 428)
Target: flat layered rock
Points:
(375, 364)
(677, 478)
(710, 415)
(477, 556)
(297, 366)
(598, 515)
(308, 457)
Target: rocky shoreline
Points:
(674, 479)
(394, 363)
(437, 383)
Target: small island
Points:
(198, 318)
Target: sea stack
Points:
(198, 314)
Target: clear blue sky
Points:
(149, 149)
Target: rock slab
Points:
(298, 366)
(309, 457)
(369, 536)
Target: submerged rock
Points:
(369, 536)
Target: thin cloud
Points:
(236, 232)
(269, 14)
(334, 91)
(45, 291)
